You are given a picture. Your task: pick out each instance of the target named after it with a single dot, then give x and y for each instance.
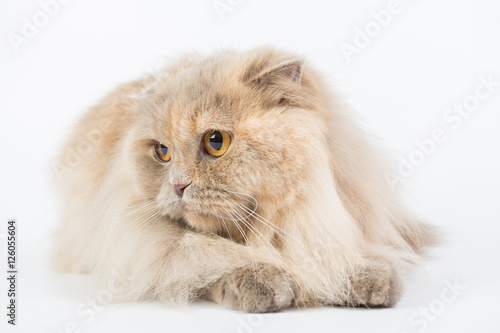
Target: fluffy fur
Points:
(297, 212)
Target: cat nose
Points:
(179, 188)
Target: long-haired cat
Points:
(238, 177)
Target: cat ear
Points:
(290, 70)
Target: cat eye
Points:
(216, 142)
(161, 151)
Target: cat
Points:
(237, 177)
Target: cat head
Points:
(220, 137)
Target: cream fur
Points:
(303, 182)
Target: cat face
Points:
(219, 138)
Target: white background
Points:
(429, 57)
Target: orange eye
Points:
(216, 142)
(162, 153)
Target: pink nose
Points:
(179, 188)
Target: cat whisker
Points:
(136, 211)
(225, 226)
(144, 220)
(279, 231)
(259, 237)
(245, 196)
(243, 234)
(104, 207)
(252, 213)
(252, 201)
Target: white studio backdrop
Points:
(423, 75)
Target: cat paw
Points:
(260, 288)
(376, 284)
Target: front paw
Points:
(255, 288)
(375, 284)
